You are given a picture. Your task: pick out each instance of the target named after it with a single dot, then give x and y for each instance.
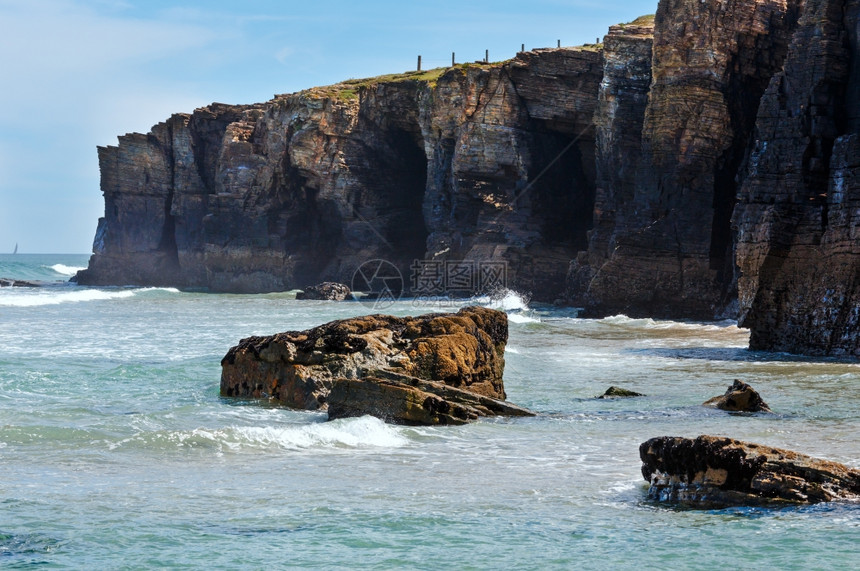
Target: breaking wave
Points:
(33, 297)
(65, 270)
(350, 433)
(515, 304)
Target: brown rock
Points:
(401, 399)
(462, 351)
(670, 251)
(797, 218)
(618, 392)
(740, 397)
(713, 472)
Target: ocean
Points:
(117, 452)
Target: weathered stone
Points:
(798, 216)
(740, 397)
(606, 175)
(298, 369)
(711, 472)
(307, 187)
(618, 392)
(401, 399)
(329, 291)
(670, 251)
(9, 282)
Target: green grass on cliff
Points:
(647, 20)
(351, 88)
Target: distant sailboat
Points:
(15, 251)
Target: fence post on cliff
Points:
(559, 43)
(486, 56)
(452, 59)
(419, 63)
(522, 48)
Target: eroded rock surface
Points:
(308, 186)
(710, 471)
(663, 243)
(702, 163)
(618, 392)
(328, 291)
(740, 397)
(798, 217)
(369, 363)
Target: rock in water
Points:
(740, 397)
(618, 392)
(401, 399)
(381, 364)
(710, 472)
(9, 282)
(329, 291)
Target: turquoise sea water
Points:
(116, 451)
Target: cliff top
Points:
(349, 89)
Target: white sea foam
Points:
(363, 432)
(25, 297)
(515, 304)
(351, 433)
(507, 300)
(521, 318)
(65, 270)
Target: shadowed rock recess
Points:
(433, 369)
(709, 471)
(700, 163)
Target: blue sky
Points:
(75, 74)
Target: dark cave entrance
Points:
(403, 173)
(389, 200)
(562, 188)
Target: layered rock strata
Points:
(709, 472)
(798, 217)
(434, 369)
(700, 164)
(663, 241)
(473, 163)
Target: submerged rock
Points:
(710, 471)
(329, 291)
(9, 282)
(381, 365)
(740, 397)
(618, 392)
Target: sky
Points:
(75, 74)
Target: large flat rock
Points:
(447, 365)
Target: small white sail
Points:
(15, 251)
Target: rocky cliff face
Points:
(701, 163)
(798, 217)
(663, 241)
(437, 166)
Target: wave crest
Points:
(65, 270)
(349, 433)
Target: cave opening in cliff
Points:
(394, 177)
(562, 189)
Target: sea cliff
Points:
(701, 163)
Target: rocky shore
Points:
(700, 163)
